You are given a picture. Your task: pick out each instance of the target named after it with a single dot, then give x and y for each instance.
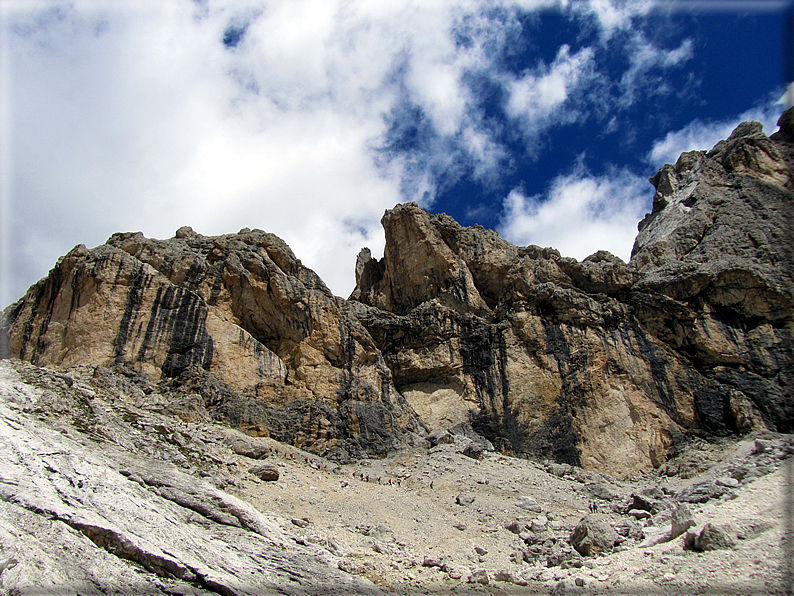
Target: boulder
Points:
(265, 472)
(528, 503)
(593, 535)
(539, 524)
(440, 437)
(250, 447)
(464, 499)
(682, 520)
(480, 577)
(639, 513)
(712, 537)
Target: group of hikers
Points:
(593, 507)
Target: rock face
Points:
(600, 363)
(114, 507)
(596, 363)
(236, 319)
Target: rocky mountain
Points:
(601, 364)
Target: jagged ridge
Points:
(596, 363)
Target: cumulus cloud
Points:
(306, 118)
(536, 96)
(580, 214)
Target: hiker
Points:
(590, 507)
(595, 507)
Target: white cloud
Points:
(645, 59)
(134, 116)
(580, 214)
(702, 136)
(614, 15)
(534, 98)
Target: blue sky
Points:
(542, 119)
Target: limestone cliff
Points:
(597, 363)
(235, 318)
(602, 363)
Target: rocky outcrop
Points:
(98, 500)
(236, 319)
(600, 363)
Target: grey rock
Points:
(646, 503)
(712, 537)
(639, 513)
(91, 508)
(727, 482)
(480, 577)
(528, 503)
(440, 437)
(539, 524)
(682, 519)
(241, 444)
(464, 499)
(504, 575)
(265, 472)
(763, 446)
(593, 535)
(601, 491)
(702, 492)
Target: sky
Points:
(541, 119)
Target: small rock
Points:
(473, 450)
(480, 577)
(681, 520)
(539, 524)
(432, 562)
(728, 482)
(516, 527)
(639, 513)
(379, 547)
(713, 537)
(460, 526)
(529, 504)
(653, 536)
(464, 499)
(504, 575)
(646, 503)
(440, 437)
(480, 550)
(265, 472)
(762, 446)
(301, 523)
(456, 572)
